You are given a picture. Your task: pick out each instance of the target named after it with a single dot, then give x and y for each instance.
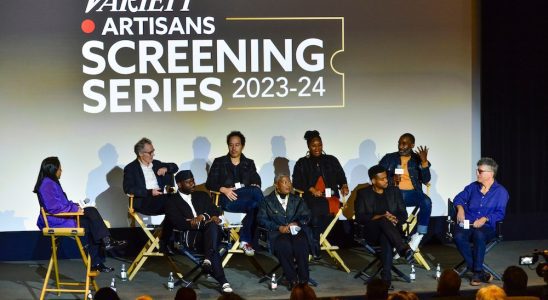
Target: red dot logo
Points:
(88, 26)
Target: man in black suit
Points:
(381, 210)
(146, 178)
(285, 216)
(194, 213)
(236, 178)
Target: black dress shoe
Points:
(167, 249)
(112, 244)
(102, 268)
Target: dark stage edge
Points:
(23, 280)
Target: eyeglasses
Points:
(150, 152)
(481, 171)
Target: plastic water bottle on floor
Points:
(170, 282)
(438, 272)
(273, 282)
(113, 284)
(412, 276)
(89, 296)
(123, 273)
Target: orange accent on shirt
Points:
(405, 182)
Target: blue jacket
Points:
(476, 205)
(271, 214)
(418, 175)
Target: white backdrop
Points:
(408, 68)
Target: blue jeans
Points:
(416, 198)
(474, 253)
(247, 202)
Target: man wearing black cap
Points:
(194, 213)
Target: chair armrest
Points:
(130, 205)
(215, 196)
(297, 191)
(498, 226)
(66, 214)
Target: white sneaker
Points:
(226, 288)
(415, 241)
(248, 250)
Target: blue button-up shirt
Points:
(492, 205)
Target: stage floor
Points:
(23, 280)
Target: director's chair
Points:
(375, 251)
(74, 233)
(232, 222)
(265, 243)
(461, 268)
(324, 243)
(151, 247)
(410, 225)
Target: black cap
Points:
(183, 175)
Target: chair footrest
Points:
(153, 254)
(330, 248)
(94, 273)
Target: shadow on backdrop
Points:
(278, 164)
(356, 168)
(113, 202)
(97, 178)
(200, 163)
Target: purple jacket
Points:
(55, 201)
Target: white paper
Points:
(327, 192)
(466, 224)
(238, 185)
(294, 229)
(398, 171)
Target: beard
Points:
(406, 152)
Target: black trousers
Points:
(207, 240)
(320, 218)
(96, 231)
(153, 206)
(383, 233)
(290, 249)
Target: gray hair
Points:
(280, 176)
(487, 161)
(138, 148)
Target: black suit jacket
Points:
(134, 179)
(221, 176)
(271, 214)
(365, 204)
(178, 212)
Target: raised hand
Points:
(422, 151)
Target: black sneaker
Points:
(409, 256)
(102, 268)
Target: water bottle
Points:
(90, 295)
(412, 276)
(273, 282)
(123, 273)
(113, 284)
(438, 272)
(170, 282)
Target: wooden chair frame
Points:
(75, 233)
(410, 225)
(325, 245)
(151, 247)
(234, 240)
